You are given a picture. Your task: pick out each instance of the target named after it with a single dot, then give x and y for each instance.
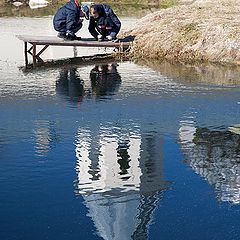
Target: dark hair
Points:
(99, 9)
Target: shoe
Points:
(109, 38)
(77, 38)
(100, 37)
(70, 37)
(61, 35)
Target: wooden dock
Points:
(46, 41)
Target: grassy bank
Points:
(201, 31)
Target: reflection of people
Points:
(67, 20)
(69, 83)
(105, 79)
(103, 22)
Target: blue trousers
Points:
(73, 30)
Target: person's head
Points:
(96, 11)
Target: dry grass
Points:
(202, 30)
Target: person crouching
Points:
(103, 24)
(68, 20)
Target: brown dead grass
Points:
(200, 30)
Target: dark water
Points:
(117, 150)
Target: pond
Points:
(116, 150)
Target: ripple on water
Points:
(121, 131)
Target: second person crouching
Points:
(103, 24)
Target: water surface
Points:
(116, 150)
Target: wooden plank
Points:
(52, 40)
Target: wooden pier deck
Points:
(46, 41)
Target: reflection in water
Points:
(215, 155)
(203, 73)
(120, 176)
(69, 83)
(105, 82)
(46, 136)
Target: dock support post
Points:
(26, 54)
(121, 48)
(75, 53)
(34, 55)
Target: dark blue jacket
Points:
(107, 12)
(67, 17)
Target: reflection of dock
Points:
(47, 41)
(120, 177)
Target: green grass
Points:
(191, 28)
(168, 3)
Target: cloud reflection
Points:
(120, 176)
